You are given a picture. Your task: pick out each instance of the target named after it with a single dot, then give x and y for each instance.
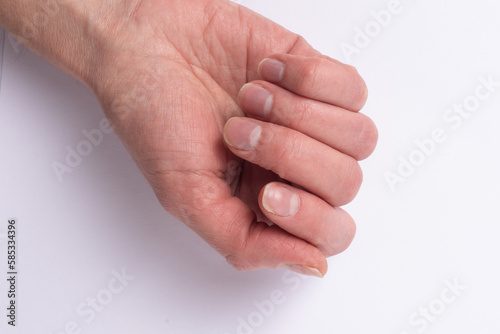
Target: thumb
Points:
(231, 227)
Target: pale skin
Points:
(245, 132)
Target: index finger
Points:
(316, 78)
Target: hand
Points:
(263, 190)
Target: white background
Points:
(441, 225)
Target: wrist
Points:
(68, 33)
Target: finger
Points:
(230, 227)
(303, 48)
(316, 78)
(271, 247)
(295, 157)
(351, 133)
(308, 217)
(204, 202)
(347, 66)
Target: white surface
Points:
(441, 225)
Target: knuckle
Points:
(290, 149)
(309, 75)
(303, 113)
(328, 245)
(289, 247)
(241, 251)
(351, 182)
(259, 155)
(329, 249)
(340, 240)
(359, 92)
(236, 255)
(367, 137)
(237, 262)
(346, 239)
(301, 44)
(348, 236)
(276, 149)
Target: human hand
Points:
(171, 76)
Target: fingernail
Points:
(280, 200)
(272, 69)
(256, 100)
(242, 134)
(303, 270)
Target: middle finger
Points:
(295, 157)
